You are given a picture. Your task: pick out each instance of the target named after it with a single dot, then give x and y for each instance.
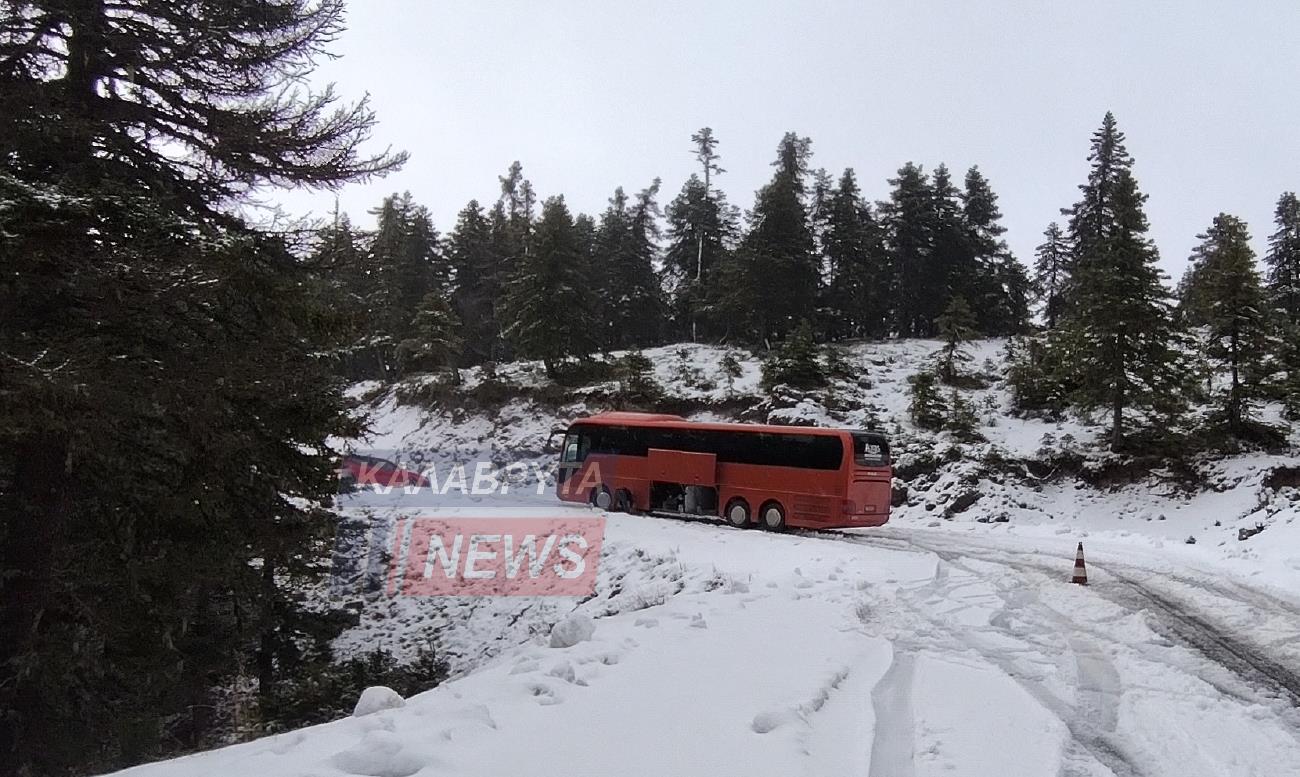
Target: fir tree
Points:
(926, 407)
(1000, 286)
(164, 422)
(951, 270)
(550, 304)
(772, 281)
(433, 340)
(406, 263)
(473, 256)
(960, 419)
(1229, 303)
(1283, 260)
(609, 252)
(731, 370)
(636, 383)
(1121, 348)
(1051, 273)
(795, 362)
(339, 258)
(854, 251)
(909, 225)
(701, 226)
(625, 252)
(956, 327)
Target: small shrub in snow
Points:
(962, 422)
(731, 370)
(377, 698)
(794, 362)
(636, 383)
(572, 630)
(927, 408)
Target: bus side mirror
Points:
(551, 446)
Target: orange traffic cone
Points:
(1080, 570)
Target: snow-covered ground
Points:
(949, 642)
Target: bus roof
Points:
(619, 418)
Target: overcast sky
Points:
(592, 95)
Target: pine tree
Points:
(772, 280)
(1283, 260)
(1051, 273)
(406, 261)
(854, 250)
(433, 340)
(1120, 346)
(1000, 286)
(550, 305)
(1229, 303)
(956, 327)
(909, 224)
(473, 257)
(157, 347)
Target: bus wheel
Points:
(737, 513)
(602, 498)
(773, 516)
(623, 501)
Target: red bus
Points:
(746, 474)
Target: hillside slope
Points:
(1027, 473)
(947, 642)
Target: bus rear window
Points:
(870, 450)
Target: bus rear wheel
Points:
(773, 516)
(737, 513)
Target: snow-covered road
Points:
(897, 651)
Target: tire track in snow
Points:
(1174, 617)
(894, 740)
(1091, 721)
(1241, 658)
(1182, 620)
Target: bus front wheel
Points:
(602, 498)
(773, 516)
(737, 513)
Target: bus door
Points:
(573, 452)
